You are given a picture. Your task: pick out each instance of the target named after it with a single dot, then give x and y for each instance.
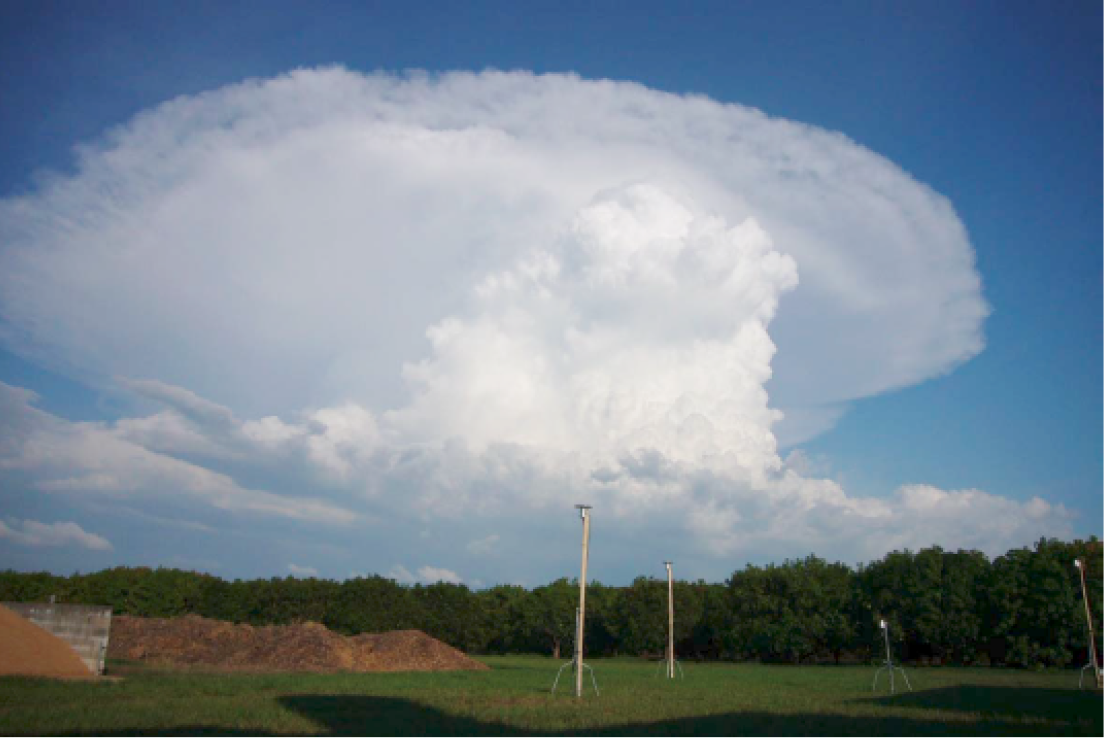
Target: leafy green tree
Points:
(452, 614)
(603, 605)
(641, 623)
(373, 605)
(965, 576)
(792, 612)
(1033, 606)
(28, 587)
(903, 589)
(549, 615)
(707, 639)
(503, 612)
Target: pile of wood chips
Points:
(196, 641)
(28, 650)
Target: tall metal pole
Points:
(670, 622)
(1088, 617)
(889, 666)
(889, 661)
(584, 513)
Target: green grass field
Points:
(513, 698)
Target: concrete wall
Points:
(84, 627)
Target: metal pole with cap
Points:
(584, 513)
(1088, 618)
(670, 622)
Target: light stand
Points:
(575, 661)
(671, 662)
(1092, 636)
(889, 665)
(580, 614)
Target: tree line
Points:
(1021, 609)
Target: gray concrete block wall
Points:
(84, 627)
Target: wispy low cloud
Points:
(434, 574)
(34, 533)
(116, 509)
(483, 546)
(98, 459)
(302, 571)
(426, 575)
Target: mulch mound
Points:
(28, 650)
(196, 641)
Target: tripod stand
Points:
(889, 666)
(576, 662)
(665, 665)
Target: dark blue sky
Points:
(996, 105)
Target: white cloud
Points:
(482, 297)
(34, 533)
(800, 462)
(95, 459)
(283, 244)
(426, 575)
(124, 511)
(483, 546)
(302, 571)
(434, 574)
(577, 349)
(183, 400)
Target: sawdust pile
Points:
(28, 650)
(196, 641)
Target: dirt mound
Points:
(28, 650)
(196, 641)
(410, 650)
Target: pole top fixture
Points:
(583, 510)
(1077, 563)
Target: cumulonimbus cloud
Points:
(285, 243)
(466, 291)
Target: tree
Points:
(503, 612)
(1032, 608)
(792, 612)
(549, 615)
(373, 605)
(451, 613)
(965, 576)
(708, 636)
(641, 622)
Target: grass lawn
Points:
(513, 698)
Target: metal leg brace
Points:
(890, 667)
(572, 664)
(661, 664)
(1096, 675)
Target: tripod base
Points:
(678, 664)
(1096, 675)
(890, 667)
(572, 664)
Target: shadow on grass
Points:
(1001, 701)
(362, 715)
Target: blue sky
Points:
(994, 106)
